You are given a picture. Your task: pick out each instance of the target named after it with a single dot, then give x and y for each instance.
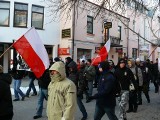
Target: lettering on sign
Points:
(66, 33)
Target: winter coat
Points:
(124, 76)
(139, 75)
(77, 77)
(44, 80)
(61, 96)
(6, 107)
(105, 96)
(90, 73)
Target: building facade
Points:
(83, 36)
(18, 16)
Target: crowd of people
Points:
(65, 84)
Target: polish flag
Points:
(102, 55)
(32, 50)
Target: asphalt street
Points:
(25, 110)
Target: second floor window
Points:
(4, 13)
(20, 15)
(119, 32)
(37, 16)
(89, 24)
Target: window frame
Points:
(20, 10)
(38, 13)
(9, 13)
(91, 23)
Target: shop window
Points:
(37, 16)
(20, 14)
(4, 13)
(89, 24)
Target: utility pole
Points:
(138, 45)
(73, 30)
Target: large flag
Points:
(32, 50)
(102, 55)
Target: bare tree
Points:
(138, 7)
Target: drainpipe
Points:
(128, 37)
(73, 31)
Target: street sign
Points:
(66, 33)
(107, 25)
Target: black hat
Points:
(104, 65)
(56, 59)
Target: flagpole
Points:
(6, 50)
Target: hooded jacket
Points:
(61, 96)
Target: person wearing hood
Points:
(124, 75)
(89, 73)
(61, 94)
(6, 109)
(105, 98)
(67, 61)
(80, 85)
(133, 93)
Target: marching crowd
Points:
(65, 84)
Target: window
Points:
(90, 24)
(37, 16)
(134, 25)
(20, 14)
(119, 32)
(134, 53)
(4, 13)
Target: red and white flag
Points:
(102, 55)
(32, 50)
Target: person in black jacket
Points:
(155, 76)
(125, 76)
(43, 83)
(77, 77)
(6, 107)
(106, 99)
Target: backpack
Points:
(117, 86)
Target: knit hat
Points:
(1, 69)
(104, 65)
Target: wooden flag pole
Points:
(6, 50)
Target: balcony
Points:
(155, 42)
(115, 41)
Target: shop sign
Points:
(66, 33)
(119, 50)
(63, 51)
(107, 25)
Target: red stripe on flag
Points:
(29, 55)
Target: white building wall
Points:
(50, 34)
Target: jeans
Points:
(17, 90)
(43, 93)
(81, 106)
(123, 101)
(31, 86)
(100, 111)
(90, 86)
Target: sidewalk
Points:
(24, 85)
